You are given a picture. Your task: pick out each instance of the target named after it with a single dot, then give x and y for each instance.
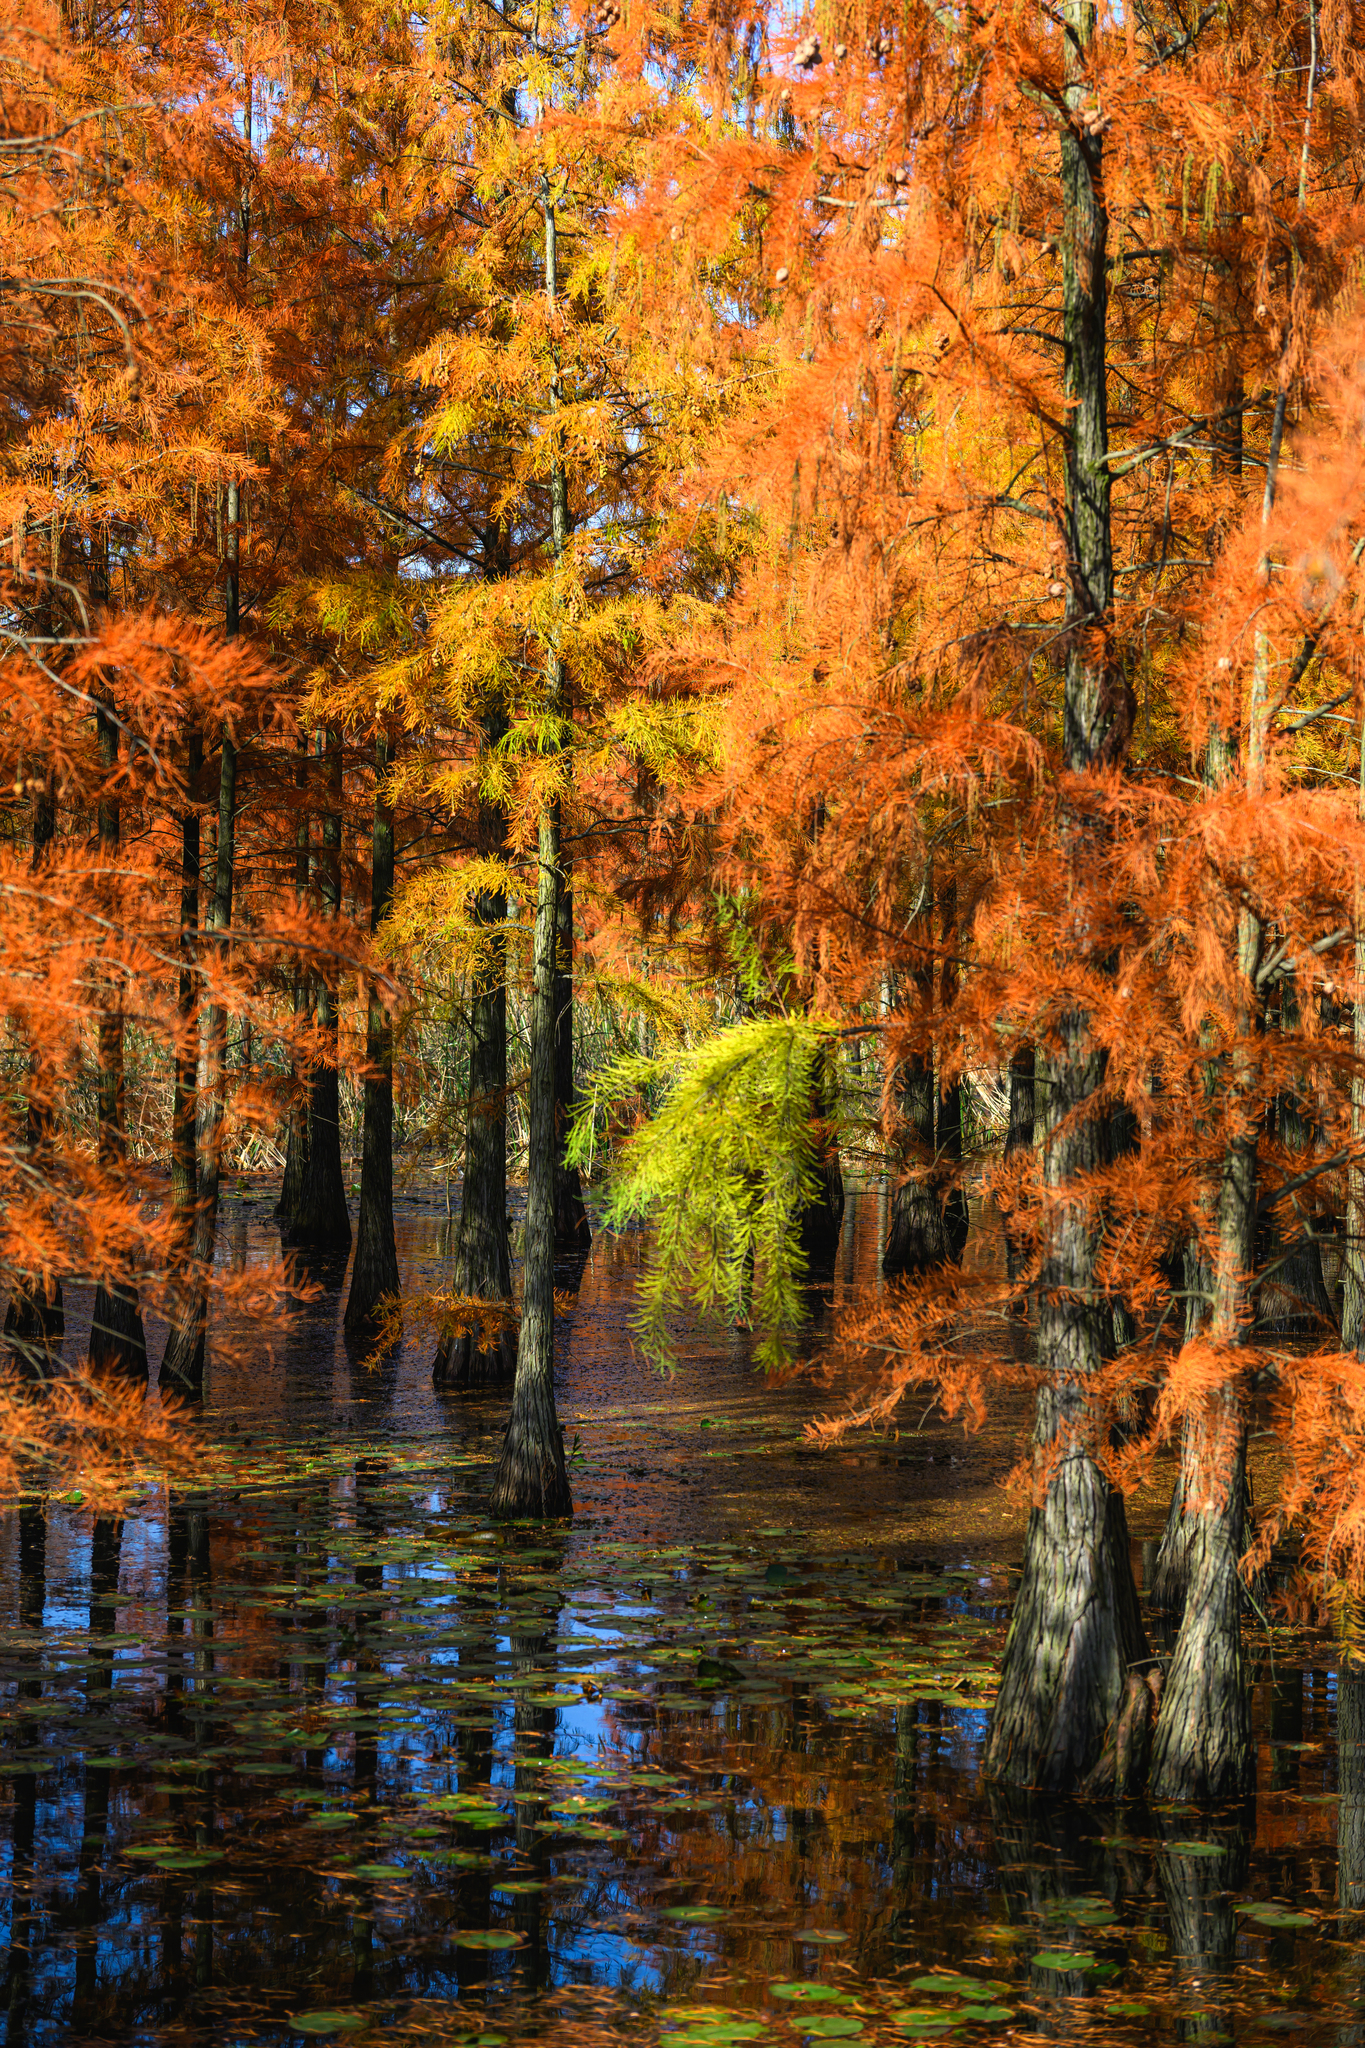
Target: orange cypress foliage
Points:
(1037, 304)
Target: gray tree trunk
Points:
(1076, 1626)
(1202, 1749)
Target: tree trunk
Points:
(915, 1241)
(1019, 1138)
(929, 1209)
(117, 1341)
(822, 1220)
(35, 1320)
(1076, 1627)
(296, 1141)
(479, 1356)
(184, 1163)
(375, 1274)
(323, 1222)
(1202, 1750)
(182, 1365)
(573, 1232)
(531, 1478)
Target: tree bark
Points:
(296, 1140)
(323, 1222)
(182, 1364)
(118, 1343)
(1202, 1750)
(483, 1356)
(573, 1232)
(375, 1274)
(184, 1162)
(531, 1478)
(915, 1240)
(1019, 1138)
(1076, 1626)
(35, 1320)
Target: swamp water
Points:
(317, 1753)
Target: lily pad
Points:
(1270, 1914)
(1196, 1848)
(377, 1872)
(809, 1992)
(488, 1937)
(692, 1915)
(326, 2022)
(1065, 1959)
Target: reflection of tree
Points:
(1351, 1785)
(534, 1646)
(106, 1547)
(24, 1826)
(1200, 1885)
(478, 1655)
(1351, 1846)
(1050, 1856)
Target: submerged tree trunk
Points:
(117, 1341)
(531, 1478)
(486, 1354)
(182, 1364)
(1076, 1626)
(296, 1137)
(322, 1222)
(375, 1274)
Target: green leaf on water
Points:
(1128, 2008)
(826, 1936)
(1197, 1848)
(1065, 1959)
(326, 2022)
(806, 1991)
(692, 1914)
(377, 1871)
(488, 1937)
(1269, 1914)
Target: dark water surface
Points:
(318, 1753)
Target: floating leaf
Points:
(326, 2022)
(1065, 1959)
(488, 1937)
(693, 1914)
(377, 1872)
(809, 1991)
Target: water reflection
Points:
(316, 1740)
